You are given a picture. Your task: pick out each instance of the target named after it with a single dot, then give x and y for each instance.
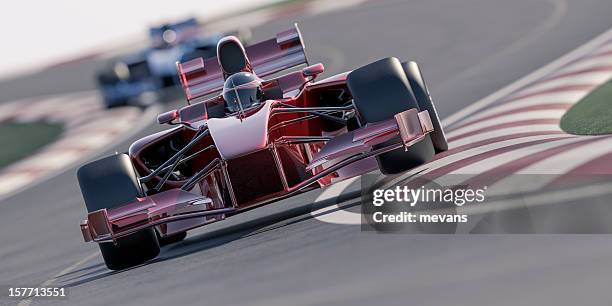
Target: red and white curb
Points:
(88, 127)
(516, 131)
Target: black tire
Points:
(109, 183)
(417, 84)
(380, 90)
(110, 104)
(109, 79)
(130, 251)
(171, 239)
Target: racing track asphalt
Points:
(467, 50)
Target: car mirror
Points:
(167, 117)
(313, 70)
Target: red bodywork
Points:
(273, 151)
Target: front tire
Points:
(109, 183)
(380, 90)
(163, 241)
(417, 84)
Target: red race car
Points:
(256, 141)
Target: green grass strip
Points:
(592, 115)
(18, 140)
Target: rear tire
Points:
(109, 183)
(380, 90)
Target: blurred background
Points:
(41, 32)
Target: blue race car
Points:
(135, 76)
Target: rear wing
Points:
(200, 77)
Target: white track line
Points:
(450, 159)
(586, 64)
(581, 79)
(493, 162)
(515, 130)
(604, 49)
(554, 166)
(340, 216)
(464, 173)
(563, 162)
(550, 98)
(17, 180)
(486, 125)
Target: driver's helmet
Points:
(244, 88)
